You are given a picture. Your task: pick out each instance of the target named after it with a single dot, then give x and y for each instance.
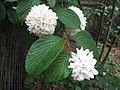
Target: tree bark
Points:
(12, 56)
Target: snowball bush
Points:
(41, 20)
(82, 65)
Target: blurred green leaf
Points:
(51, 3)
(111, 87)
(29, 80)
(118, 27)
(11, 0)
(101, 82)
(72, 2)
(12, 15)
(2, 12)
(115, 81)
(28, 38)
(77, 88)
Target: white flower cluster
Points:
(83, 65)
(82, 18)
(41, 20)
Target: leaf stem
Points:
(68, 45)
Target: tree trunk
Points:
(12, 56)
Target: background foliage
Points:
(46, 61)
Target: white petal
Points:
(86, 52)
(90, 75)
(74, 55)
(94, 71)
(87, 77)
(81, 77)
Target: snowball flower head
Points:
(80, 15)
(83, 65)
(41, 20)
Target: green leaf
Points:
(51, 3)
(111, 87)
(11, 0)
(101, 82)
(2, 11)
(28, 38)
(115, 81)
(77, 87)
(69, 18)
(58, 70)
(118, 27)
(85, 40)
(24, 7)
(72, 2)
(12, 15)
(42, 53)
(29, 81)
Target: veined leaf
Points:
(85, 40)
(42, 53)
(52, 2)
(58, 70)
(24, 7)
(69, 18)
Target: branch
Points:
(114, 39)
(101, 19)
(109, 29)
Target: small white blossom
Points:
(104, 73)
(82, 18)
(14, 7)
(83, 65)
(41, 20)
